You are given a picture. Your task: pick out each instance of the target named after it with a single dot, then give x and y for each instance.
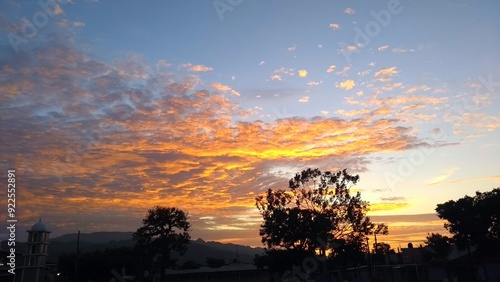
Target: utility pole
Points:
(369, 259)
(76, 256)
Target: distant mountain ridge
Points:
(198, 250)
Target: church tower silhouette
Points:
(36, 253)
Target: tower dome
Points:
(39, 226)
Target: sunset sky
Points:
(109, 108)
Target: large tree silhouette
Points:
(473, 220)
(165, 229)
(316, 214)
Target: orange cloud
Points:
(196, 68)
(384, 75)
(104, 145)
(220, 87)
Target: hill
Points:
(198, 250)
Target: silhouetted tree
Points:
(165, 229)
(382, 248)
(316, 214)
(440, 245)
(473, 220)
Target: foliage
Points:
(165, 229)
(439, 244)
(382, 248)
(316, 214)
(473, 220)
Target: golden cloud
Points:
(302, 73)
(385, 74)
(347, 84)
(103, 146)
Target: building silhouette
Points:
(35, 256)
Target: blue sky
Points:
(109, 108)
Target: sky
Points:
(110, 108)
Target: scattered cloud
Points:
(344, 71)
(285, 71)
(385, 74)
(347, 84)
(196, 68)
(352, 48)
(276, 77)
(58, 10)
(220, 87)
(262, 63)
(304, 99)
(292, 48)
(330, 69)
(401, 50)
(302, 73)
(441, 178)
(363, 73)
(314, 83)
(383, 48)
(325, 113)
(349, 11)
(334, 26)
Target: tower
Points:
(36, 253)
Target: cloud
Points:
(334, 26)
(276, 77)
(304, 99)
(414, 89)
(314, 83)
(349, 11)
(383, 47)
(262, 63)
(78, 24)
(439, 179)
(285, 71)
(352, 48)
(302, 73)
(119, 138)
(347, 84)
(58, 10)
(330, 69)
(401, 50)
(196, 68)
(385, 74)
(292, 48)
(220, 87)
(344, 71)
